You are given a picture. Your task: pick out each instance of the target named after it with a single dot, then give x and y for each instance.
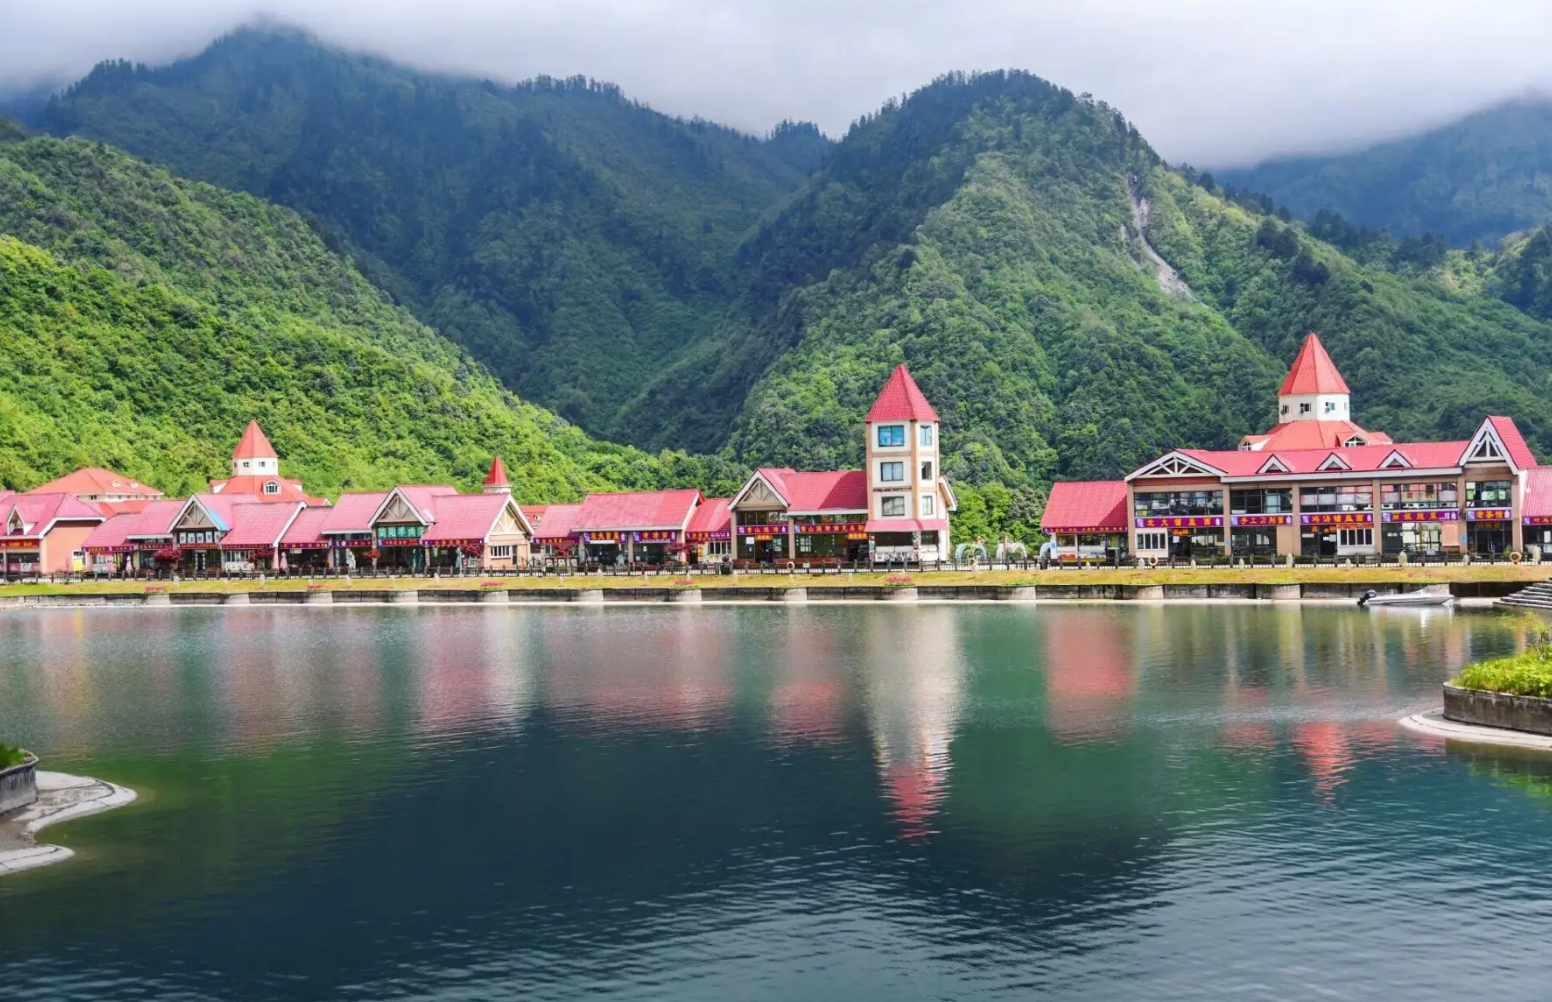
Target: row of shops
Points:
(1315, 486)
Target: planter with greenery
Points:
(1513, 692)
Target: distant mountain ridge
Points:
(571, 239)
(1481, 178)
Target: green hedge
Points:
(10, 755)
(1525, 674)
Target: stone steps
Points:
(1537, 596)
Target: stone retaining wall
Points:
(1496, 709)
(1076, 591)
(18, 785)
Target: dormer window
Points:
(891, 436)
(1355, 440)
(271, 487)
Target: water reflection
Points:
(703, 803)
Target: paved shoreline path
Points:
(61, 797)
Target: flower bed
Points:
(1526, 674)
(1514, 693)
(11, 755)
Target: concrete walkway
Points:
(61, 797)
(1433, 723)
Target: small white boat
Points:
(1411, 599)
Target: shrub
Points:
(1528, 673)
(11, 755)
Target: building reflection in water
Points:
(808, 695)
(660, 668)
(915, 674)
(472, 670)
(1090, 672)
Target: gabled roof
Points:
(712, 515)
(554, 521)
(637, 510)
(1358, 458)
(421, 497)
(220, 507)
(497, 477)
(901, 400)
(813, 493)
(353, 512)
(254, 444)
(1098, 505)
(1514, 442)
(157, 520)
(96, 480)
(37, 513)
(259, 525)
(1313, 371)
(112, 533)
(460, 517)
(307, 528)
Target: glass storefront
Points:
(1400, 497)
(1489, 539)
(1171, 504)
(1413, 538)
(1253, 542)
(1261, 501)
(1334, 497)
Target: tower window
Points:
(1330, 406)
(891, 473)
(926, 471)
(926, 434)
(1284, 409)
(1304, 408)
(893, 507)
(245, 464)
(891, 435)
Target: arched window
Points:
(270, 487)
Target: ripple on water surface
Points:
(854, 803)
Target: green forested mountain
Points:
(144, 320)
(572, 240)
(1485, 176)
(1071, 304)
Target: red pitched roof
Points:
(307, 528)
(253, 444)
(96, 480)
(554, 521)
(713, 515)
(253, 488)
(1086, 505)
(259, 525)
(1359, 458)
(462, 517)
(901, 400)
(635, 510)
(157, 519)
(113, 533)
(38, 512)
(1519, 452)
(1312, 435)
(1538, 493)
(353, 512)
(111, 508)
(835, 491)
(497, 477)
(1313, 371)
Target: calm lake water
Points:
(851, 803)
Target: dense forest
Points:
(572, 240)
(1072, 304)
(1481, 178)
(144, 320)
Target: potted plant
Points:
(18, 778)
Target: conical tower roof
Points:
(498, 474)
(1313, 372)
(254, 444)
(901, 400)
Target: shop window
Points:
(1152, 541)
(891, 473)
(891, 436)
(1334, 497)
(926, 435)
(1489, 493)
(1432, 495)
(1159, 504)
(719, 548)
(893, 507)
(1261, 501)
(929, 506)
(1355, 537)
(500, 552)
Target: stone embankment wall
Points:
(18, 786)
(1496, 709)
(795, 593)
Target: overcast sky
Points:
(1212, 82)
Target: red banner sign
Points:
(1338, 518)
(1182, 522)
(1249, 520)
(1538, 519)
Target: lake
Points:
(851, 802)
